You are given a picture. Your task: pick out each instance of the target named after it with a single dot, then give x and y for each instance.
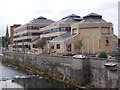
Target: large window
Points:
(69, 47)
(58, 46)
(20, 46)
(27, 28)
(27, 34)
(25, 40)
(56, 30)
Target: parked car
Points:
(79, 56)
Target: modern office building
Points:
(95, 33)
(57, 28)
(24, 34)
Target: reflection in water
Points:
(11, 78)
(38, 83)
(9, 84)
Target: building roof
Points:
(92, 17)
(63, 37)
(68, 19)
(41, 20)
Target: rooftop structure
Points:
(92, 17)
(41, 20)
(68, 20)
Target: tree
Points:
(5, 41)
(78, 45)
(102, 55)
(41, 43)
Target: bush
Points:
(68, 54)
(103, 55)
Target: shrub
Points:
(103, 55)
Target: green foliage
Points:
(41, 43)
(68, 54)
(103, 55)
(5, 41)
(78, 45)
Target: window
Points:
(62, 29)
(107, 41)
(34, 46)
(27, 28)
(52, 47)
(68, 47)
(58, 46)
(25, 40)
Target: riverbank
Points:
(18, 78)
(32, 71)
(87, 72)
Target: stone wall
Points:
(76, 71)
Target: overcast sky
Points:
(22, 11)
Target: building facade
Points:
(95, 33)
(25, 34)
(12, 32)
(58, 28)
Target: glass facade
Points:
(28, 28)
(44, 32)
(56, 30)
(27, 34)
(24, 40)
(20, 46)
(60, 29)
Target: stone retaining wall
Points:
(80, 72)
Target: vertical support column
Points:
(86, 71)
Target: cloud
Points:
(109, 11)
(22, 11)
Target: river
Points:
(11, 77)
